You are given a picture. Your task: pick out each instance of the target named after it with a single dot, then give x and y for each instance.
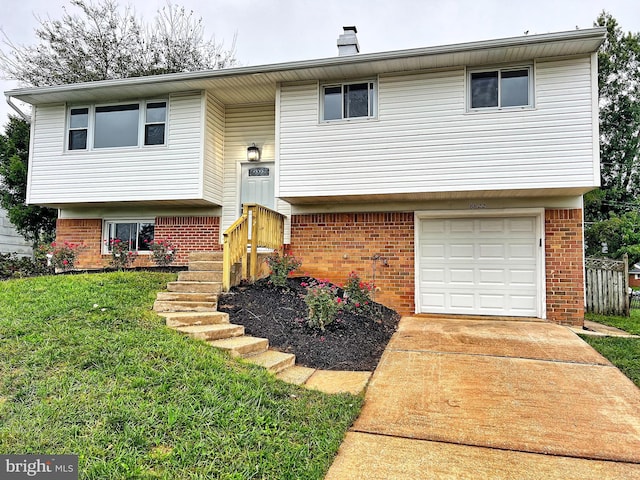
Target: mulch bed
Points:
(352, 342)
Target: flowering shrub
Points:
(121, 254)
(357, 294)
(324, 303)
(281, 267)
(62, 256)
(163, 252)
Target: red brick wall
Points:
(85, 231)
(188, 234)
(564, 266)
(633, 281)
(332, 245)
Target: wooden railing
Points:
(257, 227)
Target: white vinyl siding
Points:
(245, 125)
(10, 240)
(214, 150)
(424, 140)
(171, 172)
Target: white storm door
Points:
(479, 266)
(257, 184)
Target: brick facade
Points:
(564, 250)
(332, 245)
(633, 281)
(188, 234)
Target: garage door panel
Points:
(479, 266)
(461, 276)
(461, 251)
(491, 251)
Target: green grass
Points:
(624, 353)
(628, 324)
(87, 368)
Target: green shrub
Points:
(12, 266)
(280, 267)
(121, 254)
(324, 303)
(62, 256)
(357, 294)
(163, 252)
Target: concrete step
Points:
(296, 374)
(186, 276)
(194, 287)
(183, 319)
(178, 306)
(186, 297)
(241, 346)
(205, 266)
(212, 332)
(205, 256)
(272, 360)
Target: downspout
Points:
(25, 117)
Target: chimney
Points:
(348, 42)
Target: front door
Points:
(257, 185)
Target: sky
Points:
(273, 31)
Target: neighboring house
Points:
(10, 240)
(457, 170)
(634, 276)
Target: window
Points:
(116, 126)
(154, 123)
(113, 126)
(138, 234)
(349, 100)
(500, 88)
(78, 127)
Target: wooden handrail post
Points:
(255, 223)
(245, 240)
(226, 263)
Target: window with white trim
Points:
(138, 234)
(348, 100)
(119, 125)
(500, 88)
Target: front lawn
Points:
(628, 324)
(624, 353)
(87, 368)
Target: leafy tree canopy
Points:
(32, 222)
(617, 235)
(619, 86)
(104, 41)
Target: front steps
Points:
(190, 306)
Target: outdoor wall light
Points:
(253, 153)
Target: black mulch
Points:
(352, 342)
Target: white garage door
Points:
(479, 266)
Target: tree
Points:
(102, 42)
(32, 222)
(619, 87)
(616, 236)
(106, 42)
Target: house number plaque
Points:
(259, 172)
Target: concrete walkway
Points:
(487, 398)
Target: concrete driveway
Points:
(456, 398)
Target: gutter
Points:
(25, 117)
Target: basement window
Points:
(137, 234)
